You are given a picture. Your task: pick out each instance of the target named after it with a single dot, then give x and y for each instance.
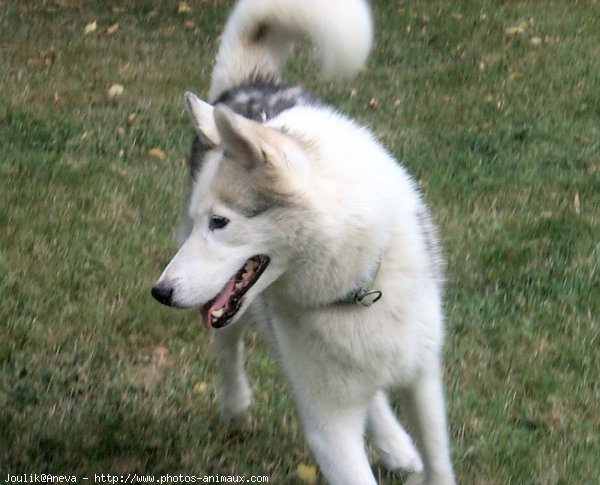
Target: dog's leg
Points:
(424, 404)
(395, 446)
(336, 437)
(234, 391)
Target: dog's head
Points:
(240, 234)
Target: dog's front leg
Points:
(235, 394)
(394, 444)
(336, 437)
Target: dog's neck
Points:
(364, 293)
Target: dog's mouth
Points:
(219, 311)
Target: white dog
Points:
(299, 219)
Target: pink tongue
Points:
(221, 301)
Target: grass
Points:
(493, 106)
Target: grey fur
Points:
(259, 100)
(431, 240)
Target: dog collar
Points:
(363, 294)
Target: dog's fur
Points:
(323, 210)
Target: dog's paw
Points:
(240, 420)
(400, 454)
(415, 479)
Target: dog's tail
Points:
(259, 35)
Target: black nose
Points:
(163, 294)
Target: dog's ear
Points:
(203, 120)
(248, 142)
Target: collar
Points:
(363, 293)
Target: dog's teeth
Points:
(250, 265)
(217, 313)
(237, 286)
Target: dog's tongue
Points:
(220, 302)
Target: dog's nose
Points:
(163, 293)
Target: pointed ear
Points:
(250, 143)
(202, 118)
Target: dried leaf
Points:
(582, 140)
(353, 92)
(115, 90)
(372, 103)
(157, 153)
(90, 28)
(577, 202)
(183, 8)
(131, 119)
(110, 30)
(200, 388)
(516, 76)
(536, 41)
(306, 473)
(161, 351)
(516, 29)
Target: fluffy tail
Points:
(260, 34)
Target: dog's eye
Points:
(217, 222)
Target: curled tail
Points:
(260, 34)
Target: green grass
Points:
(502, 135)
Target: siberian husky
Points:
(299, 220)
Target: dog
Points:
(301, 224)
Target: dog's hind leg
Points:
(235, 394)
(395, 446)
(424, 404)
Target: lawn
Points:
(494, 107)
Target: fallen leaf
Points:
(131, 119)
(372, 103)
(306, 473)
(90, 28)
(353, 92)
(576, 202)
(536, 41)
(56, 97)
(161, 351)
(183, 8)
(189, 24)
(10, 171)
(516, 76)
(582, 140)
(110, 30)
(516, 29)
(157, 153)
(200, 388)
(115, 90)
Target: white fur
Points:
(342, 45)
(351, 209)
